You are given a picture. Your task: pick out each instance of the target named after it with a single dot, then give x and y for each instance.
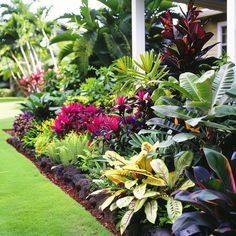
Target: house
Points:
(222, 18)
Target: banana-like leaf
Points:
(160, 169)
(222, 83)
(151, 208)
(125, 221)
(187, 81)
(124, 201)
(139, 191)
(224, 110)
(174, 209)
(174, 111)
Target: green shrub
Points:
(4, 92)
(74, 149)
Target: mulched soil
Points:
(67, 188)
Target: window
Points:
(222, 37)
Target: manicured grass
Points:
(30, 205)
(11, 99)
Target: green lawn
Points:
(31, 205)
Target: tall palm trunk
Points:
(50, 50)
(26, 60)
(19, 65)
(31, 57)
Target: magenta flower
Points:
(142, 96)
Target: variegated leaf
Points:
(139, 204)
(174, 209)
(130, 183)
(125, 221)
(124, 201)
(116, 157)
(151, 211)
(107, 202)
(154, 181)
(187, 184)
(113, 206)
(160, 169)
(139, 191)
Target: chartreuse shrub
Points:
(145, 184)
(74, 149)
(4, 92)
(215, 199)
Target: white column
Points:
(231, 29)
(138, 28)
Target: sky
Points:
(60, 6)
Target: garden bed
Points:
(76, 184)
(70, 180)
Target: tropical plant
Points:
(43, 105)
(216, 199)
(143, 182)
(208, 107)
(134, 75)
(22, 124)
(74, 149)
(22, 32)
(104, 35)
(4, 92)
(184, 42)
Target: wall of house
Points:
(211, 26)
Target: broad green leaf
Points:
(224, 110)
(130, 183)
(124, 201)
(182, 137)
(139, 204)
(151, 194)
(204, 86)
(160, 169)
(174, 111)
(139, 191)
(187, 81)
(220, 164)
(166, 143)
(125, 221)
(181, 162)
(222, 83)
(151, 211)
(174, 209)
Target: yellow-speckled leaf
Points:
(187, 184)
(139, 191)
(130, 183)
(107, 202)
(151, 211)
(160, 169)
(125, 221)
(139, 204)
(154, 181)
(174, 209)
(124, 201)
(116, 157)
